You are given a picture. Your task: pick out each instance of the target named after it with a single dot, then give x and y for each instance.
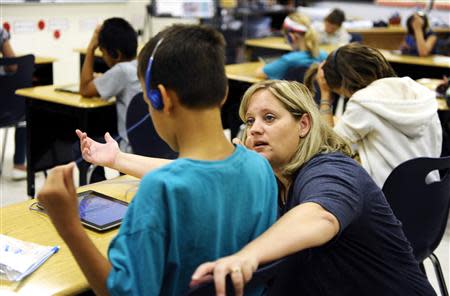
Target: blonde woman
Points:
(335, 219)
(305, 44)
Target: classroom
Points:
(224, 147)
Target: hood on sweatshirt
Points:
(406, 104)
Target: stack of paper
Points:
(19, 258)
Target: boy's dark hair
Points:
(409, 23)
(336, 17)
(117, 35)
(355, 66)
(190, 61)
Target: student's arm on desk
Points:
(59, 198)
(109, 155)
(87, 86)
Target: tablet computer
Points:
(70, 88)
(99, 211)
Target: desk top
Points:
(391, 30)
(48, 93)
(38, 60)
(432, 84)
(432, 61)
(279, 43)
(80, 50)
(245, 72)
(60, 274)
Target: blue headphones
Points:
(153, 94)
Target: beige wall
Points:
(76, 23)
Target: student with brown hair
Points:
(420, 40)
(390, 119)
(331, 30)
(303, 39)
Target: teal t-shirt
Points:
(186, 213)
(278, 68)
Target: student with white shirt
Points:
(331, 30)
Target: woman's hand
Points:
(239, 266)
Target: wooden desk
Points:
(388, 37)
(99, 64)
(60, 274)
(244, 72)
(434, 66)
(52, 118)
(432, 84)
(273, 46)
(43, 70)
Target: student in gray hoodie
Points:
(390, 119)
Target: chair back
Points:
(144, 139)
(12, 107)
(263, 277)
(422, 208)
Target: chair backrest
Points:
(12, 107)
(144, 139)
(263, 277)
(422, 208)
(355, 37)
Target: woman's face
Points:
(272, 131)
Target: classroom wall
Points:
(75, 22)
(373, 12)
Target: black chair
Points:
(265, 276)
(12, 106)
(143, 138)
(422, 208)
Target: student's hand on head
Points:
(322, 82)
(58, 197)
(417, 22)
(103, 154)
(93, 44)
(240, 268)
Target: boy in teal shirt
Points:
(209, 203)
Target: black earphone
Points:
(153, 94)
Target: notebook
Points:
(19, 258)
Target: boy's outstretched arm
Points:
(58, 197)
(109, 155)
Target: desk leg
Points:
(30, 161)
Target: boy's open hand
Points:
(98, 153)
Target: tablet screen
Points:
(99, 211)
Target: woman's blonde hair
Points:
(311, 37)
(296, 99)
